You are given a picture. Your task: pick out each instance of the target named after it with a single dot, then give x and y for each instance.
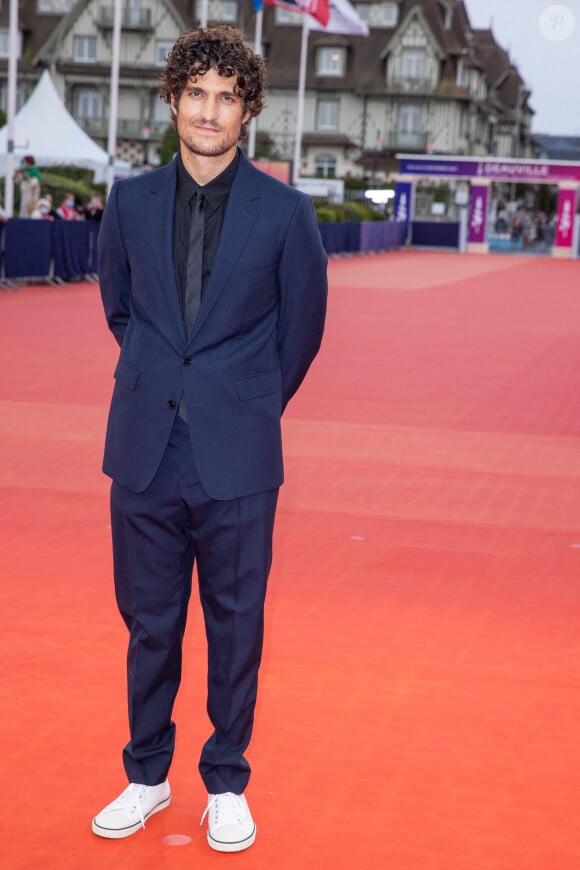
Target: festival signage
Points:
(478, 214)
(523, 171)
(566, 211)
(403, 202)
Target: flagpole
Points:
(257, 50)
(204, 13)
(11, 107)
(114, 93)
(300, 106)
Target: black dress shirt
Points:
(216, 194)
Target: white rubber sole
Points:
(121, 833)
(236, 846)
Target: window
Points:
(4, 97)
(409, 133)
(325, 166)
(413, 63)
(162, 49)
(5, 43)
(327, 115)
(88, 103)
(462, 75)
(218, 10)
(159, 111)
(54, 7)
(286, 16)
(409, 118)
(229, 11)
(85, 49)
(378, 14)
(330, 61)
(132, 15)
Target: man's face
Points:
(209, 115)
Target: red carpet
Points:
(420, 697)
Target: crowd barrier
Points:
(57, 251)
(362, 236)
(54, 251)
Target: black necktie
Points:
(192, 298)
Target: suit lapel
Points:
(241, 212)
(160, 240)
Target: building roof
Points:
(559, 147)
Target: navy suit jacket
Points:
(258, 329)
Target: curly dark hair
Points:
(221, 47)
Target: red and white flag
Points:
(319, 9)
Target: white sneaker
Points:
(129, 812)
(231, 827)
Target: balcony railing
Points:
(412, 86)
(126, 128)
(400, 141)
(131, 19)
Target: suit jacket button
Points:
(171, 404)
(186, 361)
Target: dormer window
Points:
(330, 61)
(382, 14)
(413, 63)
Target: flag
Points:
(257, 4)
(343, 18)
(318, 9)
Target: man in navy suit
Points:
(213, 279)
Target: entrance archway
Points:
(481, 172)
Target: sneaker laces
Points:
(229, 808)
(131, 800)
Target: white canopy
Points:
(45, 129)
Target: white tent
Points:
(45, 129)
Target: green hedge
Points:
(346, 211)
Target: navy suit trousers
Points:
(157, 536)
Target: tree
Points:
(169, 145)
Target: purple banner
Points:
(566, 213)
(403, 204)
(532, 171)
(478, 214)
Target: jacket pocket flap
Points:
(262, 384)
(126, 375)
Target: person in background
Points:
(30, 179)
(67, 210)
(43, 209)
(213, 280)
(94, 210)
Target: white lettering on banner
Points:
(402, 208)
(566, 219)
(518, 170)
(477, 217)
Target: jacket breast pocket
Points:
(126, 375)
(262, 384)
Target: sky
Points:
(543, 38)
